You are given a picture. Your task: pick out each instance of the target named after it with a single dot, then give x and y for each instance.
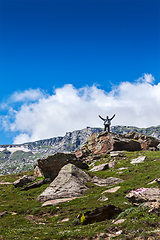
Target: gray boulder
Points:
(70, 182)
(106, 182)
(24, 180)
(144, 195)
(53, 164)
(101, 167)
(149, 196)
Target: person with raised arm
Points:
(107, 122)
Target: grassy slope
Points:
(46, 223)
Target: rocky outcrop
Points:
(104, 142)
(53, 164)
(24, 180)
(146, 142)
(70, 182)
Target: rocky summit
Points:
(104, 143)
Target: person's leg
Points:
(105, 127)
(108, 128)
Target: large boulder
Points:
(104, 142)
(53, 164)
(70, 182)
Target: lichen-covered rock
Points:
(70, 182)
(53, 164)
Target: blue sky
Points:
(78, 59)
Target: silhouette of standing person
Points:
(107, 122)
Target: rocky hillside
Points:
(22, 157)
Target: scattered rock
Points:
(140, 159)
(56, 201)
(69, 183)
(5, 183)
(24, 180)
(112, 190)
(154, 181)
(33, 218)
(100, 214)
(117, 153)
(3, 213)
(37, 171)
(149, 196)
(37, 184)
(118, 221)
(157, 180)
(53, 164)
(107, 181)
(101, 167)
(154, 207)
(103, 198)
(112, 164)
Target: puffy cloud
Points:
(44, 116)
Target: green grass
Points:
(47, 222)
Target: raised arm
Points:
(113, 116)
(101, 117)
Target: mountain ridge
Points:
(16, 158)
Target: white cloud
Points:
(27, 95)
(68, 109)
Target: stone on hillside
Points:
(57, 201)
(149, 196)
(24, 180)
(101, 167)
(100, 214)
(70, 182)
(117, 153)
(83, 152)
(144, 195)
(145, 141)
(140, 159)
(154, 207)
(53, 164)
(112, 164)
(106, 182)
(37, 172)
(37, 184)
(103, 143)
(112, 190)
(157, 180)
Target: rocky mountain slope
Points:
(22, 157)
